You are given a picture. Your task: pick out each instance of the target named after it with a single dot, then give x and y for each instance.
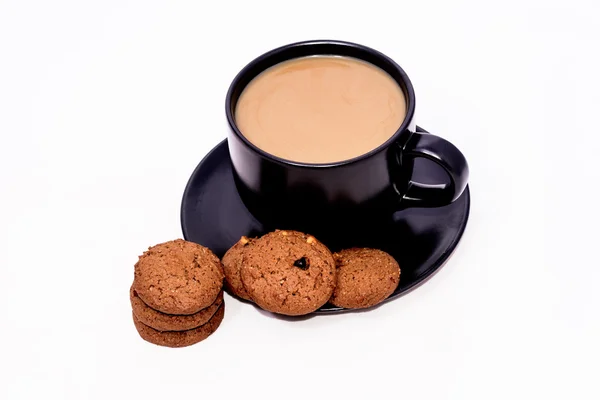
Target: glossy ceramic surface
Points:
(381, 181)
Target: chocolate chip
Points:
(301, 263)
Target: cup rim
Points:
(276, 54)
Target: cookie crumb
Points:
(244, 240)
(301, 263)
(310, 240)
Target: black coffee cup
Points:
(340, 197)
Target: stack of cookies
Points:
(291, 273)
(177, 291)
(177, 294)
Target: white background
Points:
(106, 108)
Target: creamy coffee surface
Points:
(320, 109)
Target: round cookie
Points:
(167, 322)
(232, 262)
(182, 338)
(288, 272)
(365, 277)
(178, 277)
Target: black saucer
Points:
(421, 239)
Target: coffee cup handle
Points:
(444, 154)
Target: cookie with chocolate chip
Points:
(167, 322)
(232, 262)
(178, 277)
(364, 277)
(181, 338)
(288, 272)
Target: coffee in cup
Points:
(320, 109)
